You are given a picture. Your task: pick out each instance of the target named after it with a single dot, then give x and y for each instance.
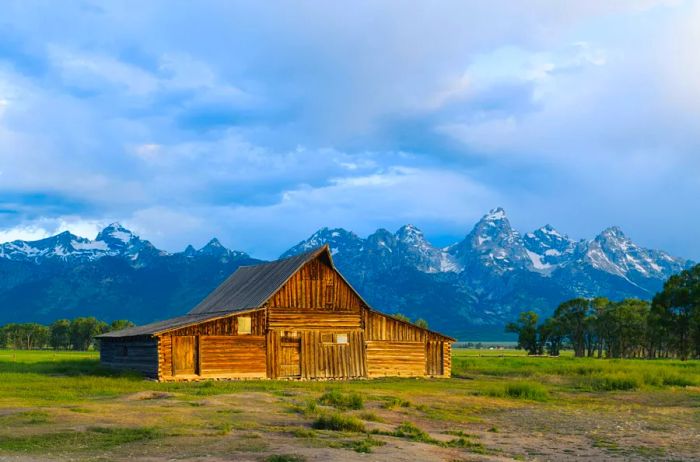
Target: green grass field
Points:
(500, 405)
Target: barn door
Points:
(184, 355)
(290, 354)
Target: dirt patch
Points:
(148, 395)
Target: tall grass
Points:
(587, 374)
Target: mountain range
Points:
(469, 289)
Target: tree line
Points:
(63, 334)
(666, 327)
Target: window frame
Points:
(249, 323)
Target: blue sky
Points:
(259, 124)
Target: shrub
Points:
(302, 432)
(338, 422)
(525, 390)
(285, 458)
(412, 432)
(520, 390)
(370, 417)
(612, 383)
(473, 446)
(675, 380)
(391, 402)
(341, 401)
(364, 445)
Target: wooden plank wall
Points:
(227, 326)
(379, 326)
(316, 286)
(273, 349)
(395, 358)
(298, 319)
(130, 353)
(433, 355)
(232, 356)
(331, 360)
(386, 336)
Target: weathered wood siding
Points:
(312, 307)
(317, 355)
(387, 338)
(433, 355)
(210, 362)
(226, 326)
(331, 360)
(232, 356)
(301, 319)
(447, 359)
(395, 358)
(131, 353)
(316, 286)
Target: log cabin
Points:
(296, 318)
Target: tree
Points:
(676, 308)
(421, 323)
(59, 336)
(25, 336)
(401, 317)
(551, 336)
(526, 328)
(120, 324)
(83, 331)
(571, 316)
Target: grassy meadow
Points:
(499, 405)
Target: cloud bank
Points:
(259, 125)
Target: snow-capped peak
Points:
(495, 215)
(411, 235)
(116, 232)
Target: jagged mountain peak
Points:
(115, 232)
(339, 240)
(496, 214)
(410, 234)
(213, 242)
(613, 233)
(214, 248)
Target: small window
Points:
(123, 351)
(327, 338)
(341, 339)
(244, 325)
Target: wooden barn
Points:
(296, 318)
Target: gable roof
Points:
(251, 286)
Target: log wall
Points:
(131, 353)
(395, 358)
(232, 356)
(447, 359)
(386, 337)
(210, 362)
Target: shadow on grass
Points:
(65, 368)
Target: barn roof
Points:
(164, 326)
(251, 286)
(247, 289)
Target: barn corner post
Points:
(296, 318)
